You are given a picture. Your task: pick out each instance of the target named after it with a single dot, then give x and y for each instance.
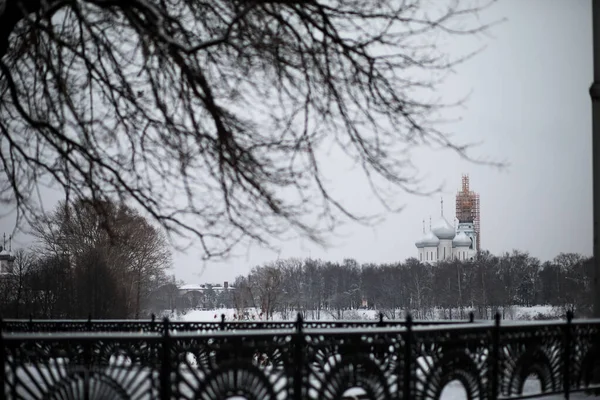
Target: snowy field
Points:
(513, 313)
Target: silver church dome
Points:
(443, 230)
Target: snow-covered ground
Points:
(255, 315)
(512, 313)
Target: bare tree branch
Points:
(213, 117)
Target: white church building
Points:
(6, 258)
(444, 241)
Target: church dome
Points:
(430, 240)
(419, 243)
(443, 230)
(461, 240)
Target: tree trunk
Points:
(138, 294)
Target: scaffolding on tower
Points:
(467, 208)
(477, 222)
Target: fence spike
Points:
(570, 315)
(567, 355)
(495, 357)
(166, 326)
(408, 357)
(3, 379)
(299, 322)
(165, 368)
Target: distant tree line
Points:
(104, 259)
(452, 288)
(91, 258)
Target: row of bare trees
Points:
(449, 289)
(91, 258)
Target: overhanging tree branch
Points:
(214, 117)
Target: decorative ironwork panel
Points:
(41, 325)
(411, 362)
(365, 359)
(198, 327)
(142, 326)
(585, 355)
(77, 366)
(440, 356)
(531, 350)
(252, 365)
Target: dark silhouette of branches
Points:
(214, 116)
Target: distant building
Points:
(205, 295)
(6, 258)
(194, 287)
(444, 241)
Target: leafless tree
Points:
(20, 272)
(215, 116)
(146, 254)
(115, 244)
(242, 297)
(266, 284)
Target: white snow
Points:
(254, 314)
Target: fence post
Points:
(3, 382)
(165, 367)
(298, 358)
(495, 357)
(567, 355)
(408, 358)
(380, 323)
(222, 324)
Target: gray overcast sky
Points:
(529, 106)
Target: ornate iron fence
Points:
(491, 360)
(151, 325)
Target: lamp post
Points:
(595, 95)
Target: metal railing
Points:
(490, 359)
(151, 325)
